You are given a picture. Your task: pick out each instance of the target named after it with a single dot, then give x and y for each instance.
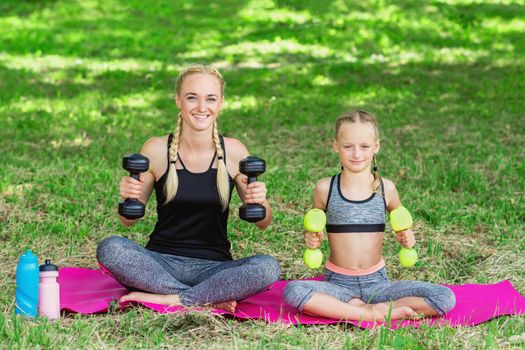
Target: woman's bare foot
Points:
(226, 305)
(170, 300)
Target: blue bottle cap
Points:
(28, 257)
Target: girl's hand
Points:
(255, 192)
(406, 238)
(313, 239)
(131, 188)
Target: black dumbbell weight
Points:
(136, 163)
(252, 167)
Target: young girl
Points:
(356, 201)
(193, 170)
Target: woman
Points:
(193, 170)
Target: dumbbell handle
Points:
(135, 164)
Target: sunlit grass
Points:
(40, 63)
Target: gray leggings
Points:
(373, 288)
(195, 281)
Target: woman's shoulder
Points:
(235, 148)
(155, 147)
(155, 143)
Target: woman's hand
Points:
(406, 238)
(313, 239)
(131, 188)
(255, 192)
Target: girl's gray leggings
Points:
(373, 288)
(195, 281)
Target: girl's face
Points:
(200, 100)
(356, 144)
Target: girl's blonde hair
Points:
(172, 182)
(363, 117)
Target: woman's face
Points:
(356, 144)
(200, 100)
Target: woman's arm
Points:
(141, 189)
(254, 193)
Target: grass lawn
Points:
(84, 82)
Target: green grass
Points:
(84, 82)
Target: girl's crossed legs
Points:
(345, 297)
(343, 302)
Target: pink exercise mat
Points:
(90, 291)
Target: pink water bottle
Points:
(49, 291)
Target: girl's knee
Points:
(443, 299)
(291, 292)
(448, 299)
(295, 293)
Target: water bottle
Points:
(49, 291)
(27, 285)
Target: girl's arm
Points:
(141, 190)
(406, 237)
(321, 193)
(314, 239)
(391, 195)
(254, 193)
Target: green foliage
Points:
(84, 82)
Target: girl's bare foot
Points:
(170, 300)
(382, 312)
(402, 312)
(357, 302)
(226, 305)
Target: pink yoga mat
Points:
(90, 291)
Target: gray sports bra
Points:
(344, 215)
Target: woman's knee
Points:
(268, 268)
(110, 248)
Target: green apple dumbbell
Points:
(314, 221)
(400, 219)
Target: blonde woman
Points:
(187, 260)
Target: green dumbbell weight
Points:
(407, 257)
(400, 219)
(314, 221)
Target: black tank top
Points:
(193, 224)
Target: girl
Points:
(193, 170)
(356, 201)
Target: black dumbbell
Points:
(132, 208)
(252, 167)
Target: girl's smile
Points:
(356, 144)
